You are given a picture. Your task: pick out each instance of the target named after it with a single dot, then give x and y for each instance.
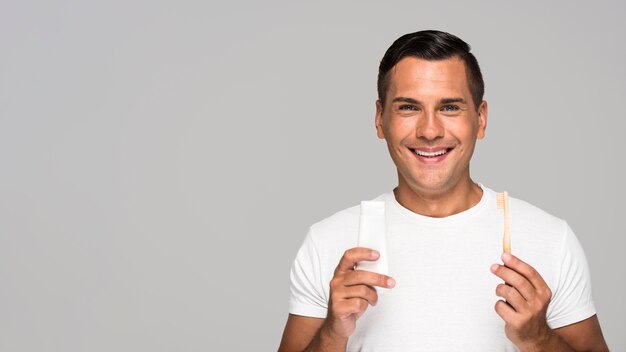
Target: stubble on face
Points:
(431, 125)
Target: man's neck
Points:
(461, 197)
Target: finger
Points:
(350, 306)
(512, 297)
(364, 277)
(505, 311)
(513, 278)
(365, 292)
(354, 255)
(524, 269)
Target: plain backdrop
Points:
(161, 161)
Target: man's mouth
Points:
(431, 153)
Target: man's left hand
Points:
(526, 298)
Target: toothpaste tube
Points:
(373, 235)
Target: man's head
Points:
(430, 113)
(431, 45)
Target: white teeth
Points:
(430, 154)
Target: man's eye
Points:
(407, 107)
(449, 108)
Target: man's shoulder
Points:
(532, 216)
(525, 208)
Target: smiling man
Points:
(445, 291)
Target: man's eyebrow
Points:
(452, 100)
(405, 100)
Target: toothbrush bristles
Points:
(502, 203)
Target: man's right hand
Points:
(351, 291)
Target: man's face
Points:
(430, 124)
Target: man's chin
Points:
(433, 185)
(430, 188)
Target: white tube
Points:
(373, 235)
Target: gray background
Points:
(161, 161)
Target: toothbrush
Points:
(503, 203)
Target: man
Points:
(443, 237)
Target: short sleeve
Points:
(571, 299)
(307, 296)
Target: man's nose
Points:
(429, 126)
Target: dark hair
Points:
(431, 45)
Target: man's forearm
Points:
(326, 341)
(551, 343)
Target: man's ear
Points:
(482, 119)
(379, 120)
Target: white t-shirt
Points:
(445, 293)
